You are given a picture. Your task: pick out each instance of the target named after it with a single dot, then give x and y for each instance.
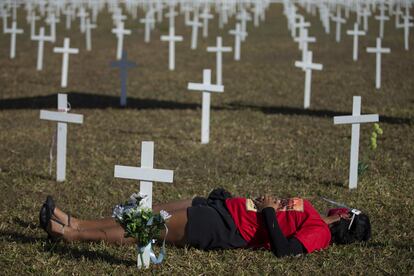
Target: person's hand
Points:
(267, 201)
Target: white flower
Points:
(165, 215)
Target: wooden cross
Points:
(219, 50)
(382, 18)
(13, 31)
(339, 20)
(206, 87)
(195, 24)
(171, 38)
(206, 16)
(41, 38)
(146, 174)
(148, 20)
(238, 34)
(66, 50)
(356, 119)
(119, 31)
(88, 27)
(356, 33)
(124, 64)
(62, 117)
(378, 51)
(308, 66)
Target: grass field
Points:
(262, 141)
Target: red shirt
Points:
(297, 218)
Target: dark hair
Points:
(360, 230)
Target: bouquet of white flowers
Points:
(140, 222)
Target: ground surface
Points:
(261, 141)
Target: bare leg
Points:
(111, 222)
(116, 234)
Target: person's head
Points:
(353, 228)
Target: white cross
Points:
(355, 32)
(82, 14)
(378, 51)
(32, 18)
(406, 25)
(195, 24)
(308, 66)
(69, 12)
(66, 50)
(124, 64)
(146, 174)
(303, 40)
(339, 20)
(301, 24)
(13, 31)
(148, 20)
(41, 38)
(382, 18)
(244, 16)
(365, 13)
(88, 28)
(62, 117)
(120, 32)
(171, 38)
(219, 50)
(356, 119)
(206, 16)
(51, 20)
(4, 15)
(206, 87)
(171, 14)
(118, 17)
(238, 34)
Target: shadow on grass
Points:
(286, 110)
(65, 250)
(96, 101)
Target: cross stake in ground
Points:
(355, 32)
(62, 117)
(172, 39)
(66, 50)
(219, 50)
(146, 174)
(308, 66)
(356, 119)
(124, 64)
(378, 51)
(206, 87)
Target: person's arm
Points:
(279, 244)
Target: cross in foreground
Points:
(62, 117)
(206, 87)
(124, 64)
(356, 119)
(66, 50)
(378, 51)
(308, 66)
(146, 174)
(171, 38)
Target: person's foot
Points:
(57, 229)
(65, 218)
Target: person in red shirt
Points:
(220, 221)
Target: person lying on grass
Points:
(284, 226)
